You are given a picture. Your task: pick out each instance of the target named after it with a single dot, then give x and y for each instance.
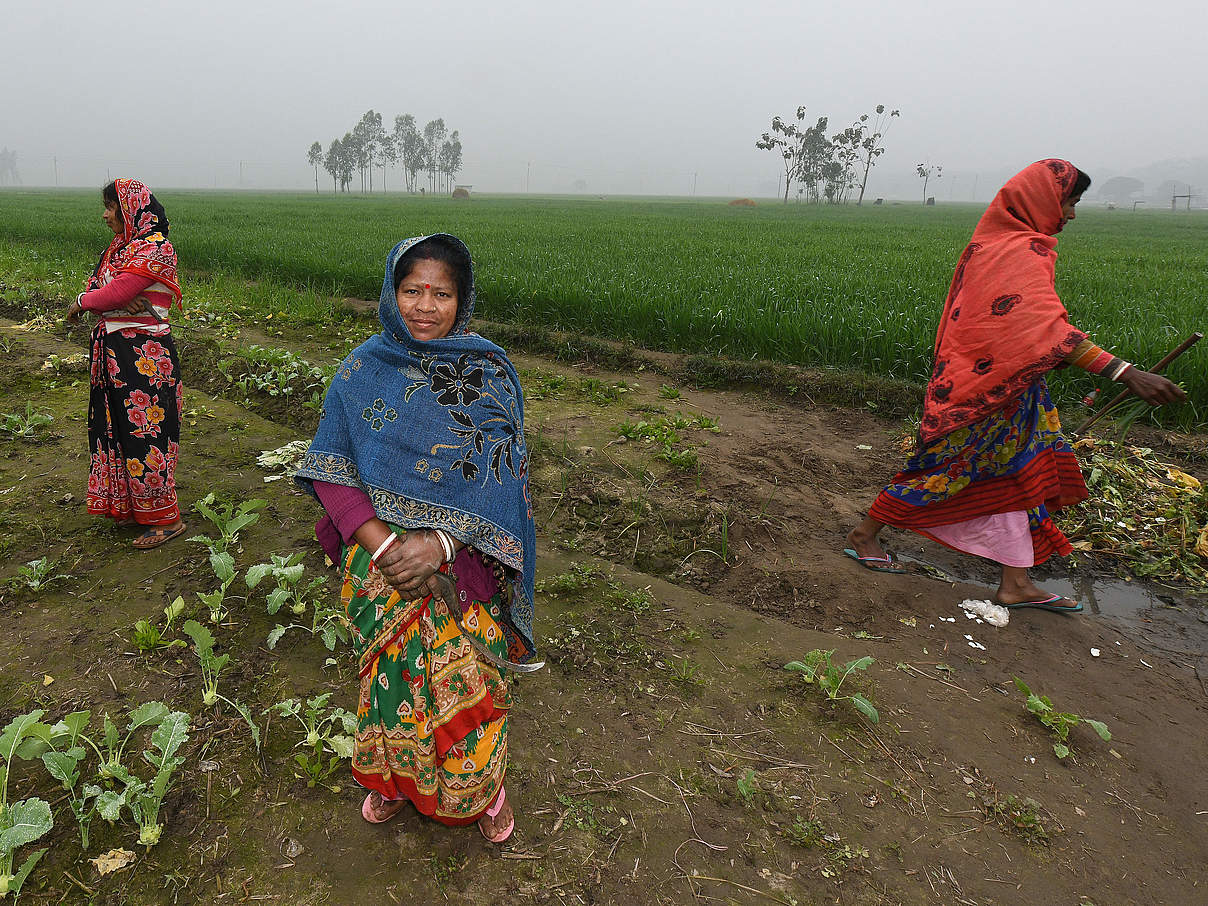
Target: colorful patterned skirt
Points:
(1012, 461)
(134, 408)
(432, 716)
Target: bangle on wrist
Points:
(446, 542)
(1122, 370)
(390, 539)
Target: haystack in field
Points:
(742, 203)
(461, 192)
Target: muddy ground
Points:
(664, 755)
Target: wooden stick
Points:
(1156, 369)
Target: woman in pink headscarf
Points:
(135, 401)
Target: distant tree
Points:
(369, 137)
(1121, 189)
(785, 139)
(314, 157)
(816, 157)
(410, 146)
(434, 135)
(846, 151)
(388, 154)
(454, 155)
(331, 162)
(870, 141)
(927, 172)
(349, 160)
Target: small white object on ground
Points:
(994, 614)
(1094, 652)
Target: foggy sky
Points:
(627, 96)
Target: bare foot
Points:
(381, 809)
(492, 827)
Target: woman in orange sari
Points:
(991, 463)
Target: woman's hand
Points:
(1153, 388)
(410, 563)
(74, 310)
(139, 305)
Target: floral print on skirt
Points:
(134, 411)
(1014, 459)
(432, 716)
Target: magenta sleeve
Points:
(117, 293)
(349, 508)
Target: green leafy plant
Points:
(37, 574)
(112, 745)
(291, 592)
(748, 787)
(142, 799)
(149, 637)
(329, 730)
(212, 666)
(25, 426)
(63, 764)
(223, 565)
(27, 820)
(818, 670)
(228, 519)
(1059, 722)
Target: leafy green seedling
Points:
(331, 729)
(290, 591)
(25, 426)
(28, 820)
(1059, 722)
(37, 574)
(142, 799)
(223, 565)
(818, 669)
(228, 519)
(149, 637)
(212, 666)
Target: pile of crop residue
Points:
(1143, 511)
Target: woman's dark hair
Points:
(109, 196)
(1081, 184)
(446, 250)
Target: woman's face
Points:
(1067, 211)
(113, 217)
(427, 299)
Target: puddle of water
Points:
(1157, 618)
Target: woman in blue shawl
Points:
(419, 461)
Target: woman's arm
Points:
(117, 293)
(1153, 388)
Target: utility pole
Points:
(56, 160)
(241, 174)
(528, 172)
(693, 183)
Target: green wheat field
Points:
(836, 287)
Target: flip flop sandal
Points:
(887, 564)
(154, 537)
(368, 812)
(1048, 604)
(494, 810)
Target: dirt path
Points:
(665, 752)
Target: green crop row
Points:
(838, 287)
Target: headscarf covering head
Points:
(1003, 325)
(438, 247)
(433, 432)
(143, 248)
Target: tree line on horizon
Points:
(828, 167)
(433, 151)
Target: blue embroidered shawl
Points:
(433, 432)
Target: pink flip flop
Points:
(367, 810)
(494, 810)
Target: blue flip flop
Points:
(1046, 604)
(888, 564)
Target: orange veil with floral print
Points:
(143, 248)
(1003, 325)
